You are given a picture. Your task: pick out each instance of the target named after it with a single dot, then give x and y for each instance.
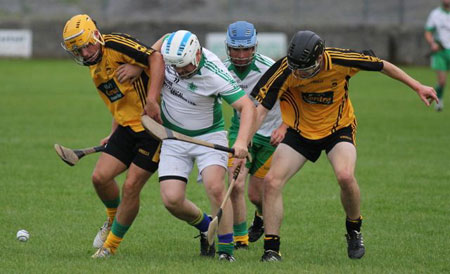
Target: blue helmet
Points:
(241, 35)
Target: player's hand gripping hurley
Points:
(214, 224)
(72, 156)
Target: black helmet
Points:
(303, 51)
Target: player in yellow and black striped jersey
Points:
(128, 145)
(312, 83)
(315, 107)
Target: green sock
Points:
(240, 229)
(439, 91)
(118, 229)
(112, 203)
(226, 244)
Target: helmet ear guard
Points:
(79, 32)
(241, 35)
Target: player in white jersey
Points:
(437, 34)
(247, 66)
(195, 82)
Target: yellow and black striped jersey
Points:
(318, 106)
(125, 100)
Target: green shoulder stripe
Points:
(215, 69)
(263, 60)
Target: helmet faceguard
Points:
(308, 72)
(79, 33)
(304, 54)
(241, 35)
(180, 50)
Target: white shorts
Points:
(177, 158)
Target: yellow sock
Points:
(111, 213)
(243, 239)
(112, 242)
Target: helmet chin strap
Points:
(96, 60)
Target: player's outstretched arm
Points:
(247, 109)
(261, 113)
(152, 108)
(427, 94)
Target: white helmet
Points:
(180, 49)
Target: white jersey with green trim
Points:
(247, 81)
(439, 23)
(193, 106)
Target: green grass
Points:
(403, 172)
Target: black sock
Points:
(272, 242)
(353, 225)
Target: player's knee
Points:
(345, 178)
(255, 198)
(99, 179)
(172, 201)
(272, 183)
(215, 192)
(239, 188)
(131, 189)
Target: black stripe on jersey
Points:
(353, 125)
(339, 116)
(139, 46)
(351, 58)
(268, 87)
(125, 38)
(138, 87)
(341, 106)
(367, 52)
(327, 61)
(132, 43)
(142, 92)
(141, 87)
(128, 37)
(288, 97)
(129, 47)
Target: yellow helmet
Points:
(79, 32)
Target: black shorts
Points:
(311, 149)
(139, 148)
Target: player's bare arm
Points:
(247, 109)
(114, 125)
(427, 94)
(158, 44)
(156, 64)
(430, 39)
(128, 72)
(261, 113)
(278, 134)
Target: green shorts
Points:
(261, 152)
(441, 60)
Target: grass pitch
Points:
(403, 172)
